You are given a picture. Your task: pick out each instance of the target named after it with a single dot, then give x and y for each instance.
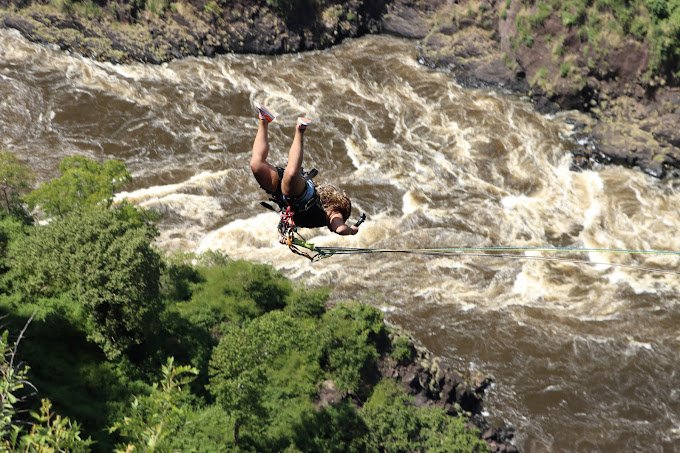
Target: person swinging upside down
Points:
(289, 187)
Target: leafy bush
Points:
(307, 303)
(353, 334)
(441, 433)
(48, 431)
(10, 229)
(83, 183)
(154, 418)
(15, 179)
(105, 262)
(658, 8)
(392, 418)
(257, 369)
(235, 292)
(398, 426)
(402, 350)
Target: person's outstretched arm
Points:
(338, 226)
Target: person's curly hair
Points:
(333, 200)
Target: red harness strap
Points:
(287, 226)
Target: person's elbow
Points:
(344, 230)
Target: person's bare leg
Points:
(294, 184)
(265, 173)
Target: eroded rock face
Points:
(191, 28)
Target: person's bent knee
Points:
(257, 166)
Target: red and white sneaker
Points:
(264, 114)
(303, 122)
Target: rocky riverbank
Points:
(432, 382)
(632, 111)
(158, 31)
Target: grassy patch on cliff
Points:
(598, 29)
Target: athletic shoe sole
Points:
(303, 122)
(265, 114)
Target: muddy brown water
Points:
(585, 357)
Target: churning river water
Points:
(585, 357)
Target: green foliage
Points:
(573, 12)
(441, 433)
(155, 417)
(392, 418)
(211, 7)
(12, 381)
(86, 8)
(543, 11)
(398, 426)
(10, 229)
(402, 350)
(203, 430)
(524, 36)
(307, 304)
(48, 431)
(69, 370)
(236, 292)
(658, 8)
(83, 183)
(178, 279)
(157, 7)
(605, 24)
(565, 67)
(333, 429)
(15, 179)
(105, 262)
(352, 335)
(260, 366)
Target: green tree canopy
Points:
(15, 179)
(351, 336)
(102, 258)
(398, 426)
(83, 182)
(257, 368)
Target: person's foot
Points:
(302, 123)
(264, 114)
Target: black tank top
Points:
(314, 217)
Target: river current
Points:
(585, 357)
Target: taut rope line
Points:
(498, 252)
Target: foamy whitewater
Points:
(584, 356)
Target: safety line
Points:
(478, 252)
(340, 250)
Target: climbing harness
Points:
(289, 235)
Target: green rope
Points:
(503, 252)
(491, 249)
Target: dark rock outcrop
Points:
(432, 382)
